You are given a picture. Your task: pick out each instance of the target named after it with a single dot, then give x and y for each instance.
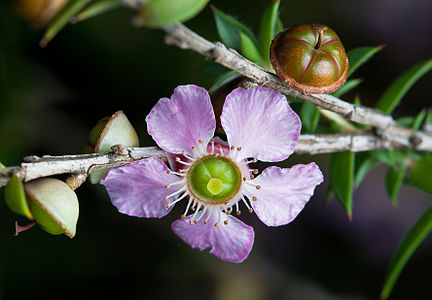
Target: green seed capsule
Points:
(16, 199)
(108, 132)
(54, 205)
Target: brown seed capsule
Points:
(310, 57)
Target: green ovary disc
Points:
(214, 179)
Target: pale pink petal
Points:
(283, 192)
(231, 242)
(138, 189)
(261, 122)
(178, 123)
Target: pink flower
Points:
(216, 177)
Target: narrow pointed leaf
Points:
(394, 94)
(63, 17)
(359, 56)
(418, 120)
(96, 9)
(341, 178)
(249, 49)
(309, 115)
(267, 30)
(222, 79)
(421, 175)
(229, 29)
(406, 249)
(394, 180)
(364, 164)
(161, 13)
(2, 166)
(348, 86)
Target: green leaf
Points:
(394, 180)
(391, 158)
(161, 13)
(62, 18)
(406, 249)
(15, 197)
(2, 166)
(405, 121)
(229, 29)
(309, 115)
(222, 79)
(364, 164)
(394, 94)
(348, 86)
(359, 56)
(418, 120)
(341, 178)
(421, 175)
(96, 9)
(267, 30)
(249, 49)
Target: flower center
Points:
(214, 179)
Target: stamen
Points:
(251, 177)
(200, 141)
(178, 199)
(175, 173)
(239, 148)
(254, 198)
(209, 216)
(232, 148)
(238, 211)
(187, 155)
(251, 184)
(193, 219)
(219, 218)
(221, 150)
(187, 209)
(212, 148)
(175, 193)
(167, 186)
(247, 205)
(255, 171)
(193, 206)
(182, 162)
(252, 161)
(202, 214)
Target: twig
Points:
(184, 38)
(82, 164)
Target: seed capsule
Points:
(310, 57)
(108, 132)
(54, 205)
(49, 202)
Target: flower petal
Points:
(261, 122)
(231, 242)
(138, 189)
(178, 123)
(283, 192)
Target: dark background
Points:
(50, 98)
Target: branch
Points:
(184, 38)
(82, 164)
